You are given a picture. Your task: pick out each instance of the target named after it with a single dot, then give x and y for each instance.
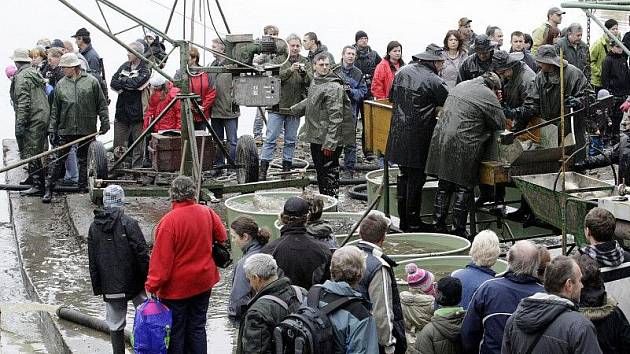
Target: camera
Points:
(302, 67)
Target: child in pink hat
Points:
(417, 303)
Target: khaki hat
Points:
(464, 21)
(547, 54)
(69, 60)
(555, 11)
(502, 60)
(21, 55)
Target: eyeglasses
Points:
(322, 64)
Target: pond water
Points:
(397, 246)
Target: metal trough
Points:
(563, 208)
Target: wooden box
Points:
(378, 117)
(166, 151)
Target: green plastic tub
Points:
(440, 266)
(337, 219)
(374, 180)
(420, 245)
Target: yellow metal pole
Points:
(563, 167)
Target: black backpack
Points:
(309, 330)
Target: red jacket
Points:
(383, 79)
(202, 86)
(181, 264)
(172, 119)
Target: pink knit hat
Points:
(10, 71)
(418, 278)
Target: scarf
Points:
(605, 255)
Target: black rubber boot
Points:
(264, 166)
(522, 214)
(37, 176)
(401, 190)
(286, 167)
(48, 191)
(461, 206)
(440, 210)
(27, 182)
(118, 341)
(83, 173)
(414, 208)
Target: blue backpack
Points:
(152, 328)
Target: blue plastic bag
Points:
(152, 328)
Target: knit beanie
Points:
(10, 71)
(420, 279)
(610, 23)
(113, 196)
(359, 35)
(449, 291)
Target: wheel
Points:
(358, 192)
(96, 167)
(247, 158)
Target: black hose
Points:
(358, 192)
(344, 181)
(88, 321)
(23, 187)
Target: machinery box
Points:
(166, 151)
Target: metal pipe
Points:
(386, 184)
(379, 194)
(46, 153)
(115, 39)
(145, 132)
(137, 20)
(223, 17)
(128, 29)
(214, 134)
(617, 5)
(170, 17)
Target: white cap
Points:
(157, 80)
(150, 34)
(69, 60)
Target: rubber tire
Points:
(247, 156)
(358, 192)
(97, 167)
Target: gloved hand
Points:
(625, 106)
(53, 138)
(573, 102)
(104, 129)
(49, 89)
(327, 152)
(19, 131)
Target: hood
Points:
(599, 312)
(410, 299)
(535, 312)
(450, 325)
(276, 287)
(340, 288)
(331, 77)
(106, 218)
(592, 296)
(31, 74)
(320, 229)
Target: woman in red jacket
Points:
(202, 84)
(385, 70)
(162, 93)
(182, 271)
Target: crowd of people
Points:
(474, 89)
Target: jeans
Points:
(258, 123)
(188, 334)
(230, 126)
(350, 151)
(275, 124)
(72, 168)
(596, 143)
(125, 132)
(116, 311)
(57, 161)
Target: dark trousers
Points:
(57, 160)
(124, 135)
(188, 334)
(327, 169)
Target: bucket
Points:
(374, 179)
(441, 266)
(400, 247)
(341, 224)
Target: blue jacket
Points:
(472, 277)
(353, 77)
(491, 306)
(354, 327)
(241, 290)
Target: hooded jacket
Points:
(320, 49)
(492, 304)
(616, 75)
(599, 49)
(515, 90)
(613, 330)
(442, 334)
(471, 114)
(293, 85)
(31, 110)
(118, 255)
(367, 60)
(172, 118)
(564, 329)
(417, 310)
(417, 92)
(322, 231)
(472, 67)
(241, 290)
(383, 78)
(328, 113)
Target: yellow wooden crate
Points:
(378, 117)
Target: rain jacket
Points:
(470, 115)
(31, 110)
(129, 82)
(303, 260)
(367, 60)
(442, 334)
(320, 48)
(616, 75)
(118, 255)
(172, 118)
(416, 93)
(356, 87)
(76, 104)
(263, 315)
(491, 306)
(181, 263)
(93, 60)
(322, 231)
(293, 85)
(515, 90)
(472, 277)
(565, 329)
(201, 84)
(450, 71)
(599, 49)
(611, 325)
(383, 78)
(538, 36)
(417, 310)
(241, 290)
(472, 67)
(578, 57)
(354, 327)
(328, 113)
(224, 106)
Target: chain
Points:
(588, 45)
